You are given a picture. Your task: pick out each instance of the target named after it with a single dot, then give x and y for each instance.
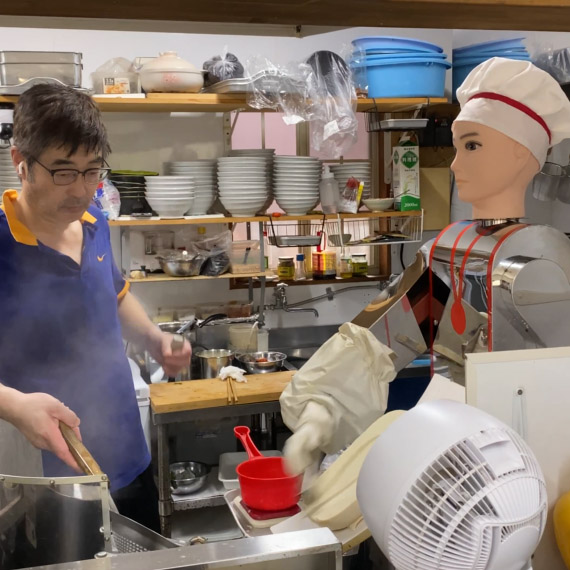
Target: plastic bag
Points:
(220, 68)
(554, 62)
(108, 199)
(281, 88)
(334, 126)
(318, 90)
(215, 250)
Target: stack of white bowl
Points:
(358, 170)
(267, 154)
(170, 196)
(296, 183)
(8, 175)
(204, 174)
(244, 184)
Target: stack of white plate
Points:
(267, 154)
(296, 183)
(170, 196)
(244, 184)
(358, 170)
(204, 174)
(8, 175)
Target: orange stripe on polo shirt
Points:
(19, 231)
(123, 291)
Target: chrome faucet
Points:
(280, 296)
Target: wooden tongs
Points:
(84, 459)
(80, 453)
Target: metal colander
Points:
(128, 536)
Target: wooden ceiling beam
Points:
(553, 15)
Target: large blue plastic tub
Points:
(480, 58)
(393, 43)
(420, 77)
(373, 58)
(492, 46)
(462, 67)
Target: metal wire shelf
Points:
(303, 233)
(368, 232)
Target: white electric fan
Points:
(449, 487)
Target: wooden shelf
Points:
(223, 103)
(272, 281)
(162, 277)
(130, 222)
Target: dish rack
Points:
(305, 233)
(368, 232)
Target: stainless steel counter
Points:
(304, 550)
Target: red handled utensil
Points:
(265, 485)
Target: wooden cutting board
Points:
(212, 393)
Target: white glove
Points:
(315, 430)
(232, 372)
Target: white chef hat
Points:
(519, 100)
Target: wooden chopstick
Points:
(231, 390)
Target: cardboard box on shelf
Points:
(436, 197)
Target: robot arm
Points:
(343, 388)
(533, 295)
(400, 316)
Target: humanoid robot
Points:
(493, 283)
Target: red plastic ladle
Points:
(265, 485)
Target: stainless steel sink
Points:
(299, 344)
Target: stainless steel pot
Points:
(212, 361)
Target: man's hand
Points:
(171, 361)
(37, 416)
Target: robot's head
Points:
(512, 112)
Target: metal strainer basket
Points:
(128, 536)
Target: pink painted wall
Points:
(278, 135)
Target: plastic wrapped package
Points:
(318, 90)
(332, 98)
(282, 88)
(216, 250)
(555, 62)
(116, 77)
(222, 67)
(358, 72)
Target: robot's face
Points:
(487, 162)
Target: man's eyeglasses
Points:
(65, 176)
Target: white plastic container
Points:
(143, 399)
(243, 337)
(329, 192)
(228, 463)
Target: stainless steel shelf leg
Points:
(164, 500)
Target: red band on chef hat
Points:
(517, 105)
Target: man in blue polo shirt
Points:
(65, 307)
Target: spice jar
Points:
(345, 267)
(286, 268)
(359, 264)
